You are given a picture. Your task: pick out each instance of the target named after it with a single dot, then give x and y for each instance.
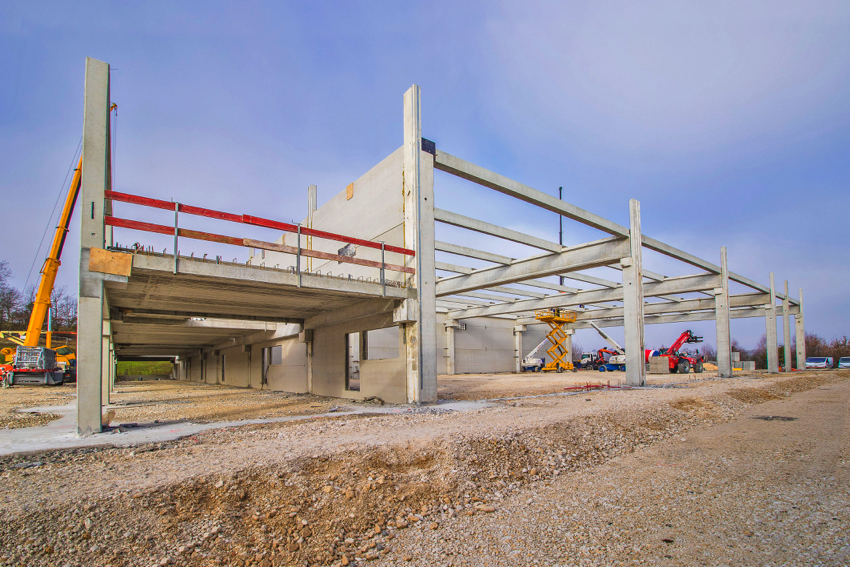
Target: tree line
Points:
(16, 305)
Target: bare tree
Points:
(10, 298)
(63, 307)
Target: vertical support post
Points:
(518, 348)
(568, 342)
(560, 229)
(721, 316)
(786, 329)
(176, 210)
(105, 361)
(383, 280)
(312, 205)
(418, 190)
(450, 347)
(633, 301)
(800, 329)
(94, 182)
(298, 256)
(770, 322)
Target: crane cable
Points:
(74, 161)
(53, 212)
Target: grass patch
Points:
(145, 368)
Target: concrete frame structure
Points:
(227, 321)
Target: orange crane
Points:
(35, 364)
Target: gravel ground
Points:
(593, 478)
(23, 397)
(767, 488)
(163, 400)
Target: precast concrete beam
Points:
(452, 268)
(472, 253)
(588, 255)
(477, 174)
(361, 310)
(684, 284)
(670, 318)
(461, 221)
(687, 305)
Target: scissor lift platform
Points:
(561, 355)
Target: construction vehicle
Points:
(617, 357)
(561, 356)
(682, 363)
(530, 362)
(66, 357)
(34, 364)
(586, 360)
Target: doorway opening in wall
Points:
(222, 367)
(353, 348)
(378, 344)
(272, 356)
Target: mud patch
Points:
(774, 418)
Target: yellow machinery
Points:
(34, 364)
(561, 355)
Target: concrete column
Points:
(105, 362)
(95, 180)
(518, 347)
(568, 342)
(801, 336)
(770, 322)
(721, 315)
(309, 333)
(312, 205)
(786, 328)
(421, 333)
(633, 301)
(450, 347)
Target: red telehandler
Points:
(682, 362)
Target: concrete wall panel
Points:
(486, 345)
(329, 360)
(374, 212)
(291, 376)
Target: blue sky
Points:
(730, 122)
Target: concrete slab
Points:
(61, 434)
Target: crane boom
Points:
(605, 336)
(534, 351)
(52, 263)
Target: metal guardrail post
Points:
(298, 256)
(383, 280)
(176, 210)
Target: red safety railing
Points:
(297, 251)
